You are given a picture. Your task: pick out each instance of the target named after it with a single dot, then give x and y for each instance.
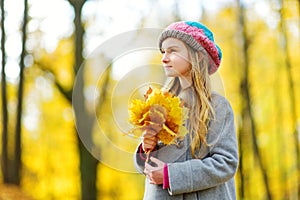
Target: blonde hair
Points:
(198, 99)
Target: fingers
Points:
(155, 127)
(149, 140)
(154, 174)
(149, 144)
(149, 133)
(148, 168)
(148, 171)
(158, 162)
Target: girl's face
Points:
(175, 58)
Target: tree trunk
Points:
(17, 165)
(241, 171)
(84, 124)
(4, 156)
(88, 164)
(288, 66)
(249, 127)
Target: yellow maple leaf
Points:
(161, 112)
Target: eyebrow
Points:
(170, 47)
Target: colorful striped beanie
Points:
(197, 36)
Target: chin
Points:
(170, 74)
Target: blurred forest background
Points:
(43, 45)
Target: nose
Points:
(165, 58)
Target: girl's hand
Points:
(155, 174)
(149, 140)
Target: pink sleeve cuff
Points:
(166, 177)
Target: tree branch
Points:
(66, 93)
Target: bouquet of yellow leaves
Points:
(160, 111)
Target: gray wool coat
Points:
(209, 178)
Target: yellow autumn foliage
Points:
(161, 112)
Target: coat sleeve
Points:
(218, 167)
(139, 159)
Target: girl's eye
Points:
(172, 50)
(162, 51)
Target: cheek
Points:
(184, 66)
(186, 71)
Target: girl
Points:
(203, 164)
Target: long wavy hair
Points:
(197, 98)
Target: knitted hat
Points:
(197, 36)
